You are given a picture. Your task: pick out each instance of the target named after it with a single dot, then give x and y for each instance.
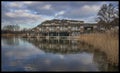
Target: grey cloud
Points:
(41, 11)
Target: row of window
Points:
(60, 28)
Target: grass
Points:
(107, 42)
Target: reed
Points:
(107, 42)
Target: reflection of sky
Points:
(27, 57)
(18, 52)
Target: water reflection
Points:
(60, 46)
(11, 41)
(32, 54)
(100, 59)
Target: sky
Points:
(28, 14)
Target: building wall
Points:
(68, 29)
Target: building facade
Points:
(64, 28)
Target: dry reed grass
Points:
(107, 42)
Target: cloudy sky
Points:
(28, 14)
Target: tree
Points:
(115, 22)
(11, 28)
(8, 27)
(106, 15)
(16, 28)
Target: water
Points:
(24, 54)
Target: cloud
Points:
(28, 2)
(22, 14)
(82, 12)
(23, 17)
(47, 7)
(15, 4)
(30, 14)
(90, 9)
(59, 13)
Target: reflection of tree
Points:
(11, 41)
(101, 59)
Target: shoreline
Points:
(107, 42)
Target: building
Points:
(57, 27)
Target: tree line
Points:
(11, 28)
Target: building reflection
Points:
(60, 46)
(72, 47)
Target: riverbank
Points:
(12, 35)
(107, 42)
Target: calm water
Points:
(23, 54)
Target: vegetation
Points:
(108, 16)
(11, 28)
(107, 42)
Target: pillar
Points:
(69, 37)
(58, 37)
(48, 35)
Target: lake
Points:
(33, 54)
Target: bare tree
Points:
(11, 28)
(16, 28)
(115, 22)
(8, 28)
(106, 15)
